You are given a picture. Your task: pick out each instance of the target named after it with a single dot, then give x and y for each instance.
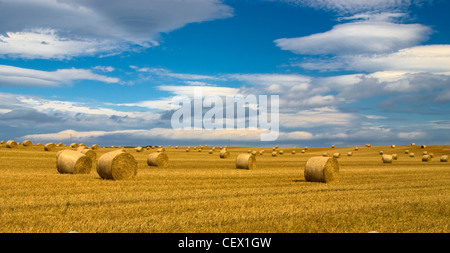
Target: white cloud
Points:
(78, 27)
(412, 135)
(15, 76)
(357, 6)
(183, 76)
(358, 38)
(190, 91)
(316, 117)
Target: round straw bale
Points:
(306, 148)
(89, 153)
(200, 150)
(321, 169)
(261, 152)
(281, 152)
(74, 145)
(253, 152)
(386, 158)
(333, 146)
(426, 158)
(117, 165)
(158, 159)
(356, 148)
(249, 151)
(187, 150)
(368, 145)
(411, 154)
(82, 144)
(139, 149)
(159, 150)
(336, 155)
(224, 153)
(73, 162)
(95, 146)
(349, 153)
(27, 143)
(80, 148)
(325, 154)
(60, 144)
(394, 156)
(406, 151)
(293, 152)
(276, 147)
(444, 158)
(424, 153)
(246, 161)
(50, 147)
(381, 152)
(2, 142)
(176, 147)
(274, 153)
(11, 144)
(303, 151)
(210, 151)
(413, 144)
(431, 155)
(423, 146)
(392, 146)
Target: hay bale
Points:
(246, 161)
(158, 159)
(224, 153)
(27, 143)
(387, 158)
(349, 153)
(80, 148)
(74, 145)
(431, 155)
(336, 155)
(394, 156)
(139, 149)
(73, 162)
(293, 152)
(305, 148)
(303, 151)
(281, 152)
(411, 154)
(11, 144)
(117, 165)
(210, 151)
(176, 147)
(321, 169)
(95, 146)
(392, 146)
(381, 152)
(356, 148)
(424, 153)
(368, 145)
(413, 144)
(89, 153)
(261, 152)
(254, 153)
(333, 146)
(426, 158)
(325, 154)
(60, 144)
(200, 150)
(187, 150)
(423, 146)
(2, 142)
(50, 147)
(444, 158)
(160, 150)
(274, 153)
(249, 151)
(406, 151)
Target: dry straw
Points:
(281, 152)
(325, 154)
(158, 159)
(356, 148)
(336, 155)
(303, 151)
(210, 151)
(2, 142)
(424, 153)
(392, 146)
(60, 144)
(27, 143)
(423, 146)
(411, 154)
(74, 145)
(274, 153)
(406, 151)
(293, 152)
(261, 152)
(394, 156)
(413, 144)
(246, 161)
(50, 147)
(117, 165)
(11, 144)
(444, 158)
(139, 149)
(254, 153)
(160, 150)
(73, 162)
(426, 158)
(224, 153)
(387, 158)
(95, 146)
(333, 146)
(321, 169)
(381, 152)
(89, 153)
(368, 145)
(349, 153)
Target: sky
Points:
(347, 72)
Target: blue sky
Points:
(347, 72)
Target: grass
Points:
(199, 192)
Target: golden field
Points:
(201, 193)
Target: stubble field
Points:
(201, 193)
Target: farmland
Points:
(202, 193)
